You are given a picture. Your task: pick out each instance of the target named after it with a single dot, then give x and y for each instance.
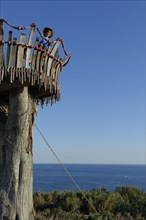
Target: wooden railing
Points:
(24, 64)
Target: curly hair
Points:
(46, 29)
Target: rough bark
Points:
(16, 192)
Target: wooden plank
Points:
(8, 48)
(14, 53)
(1, 45)
(39, 54)
(13, 73)
(42, 61)
(58, 91)
(20, 53)
(51, 59)
(28, 49)
(58, 70)
(46, 59)
(3, 72)
(34, 56)
(54, 64)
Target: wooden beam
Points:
(51, 59)
(20, 53)
(28, 49)
(8, 48)
(34, 55)
(1, 45)
(46, 59)
(14, 53)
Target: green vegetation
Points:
(125, 203)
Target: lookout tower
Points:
(28, 76)
(23, 64)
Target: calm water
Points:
(50, 177)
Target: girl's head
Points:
(48, 32)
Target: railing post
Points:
(34, 55)
(28, 49)
(20, 54)
(14, 52)
(1, 43)
(51, 59)
(8, 48)
(46, 59)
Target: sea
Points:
(75, 177)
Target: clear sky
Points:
(101, 115)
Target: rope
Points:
(67, 172)
(18, 27)
(34, 25)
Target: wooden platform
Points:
(23, 64)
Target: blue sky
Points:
(101, 115)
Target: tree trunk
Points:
(16, 192)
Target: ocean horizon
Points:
(51, 177)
